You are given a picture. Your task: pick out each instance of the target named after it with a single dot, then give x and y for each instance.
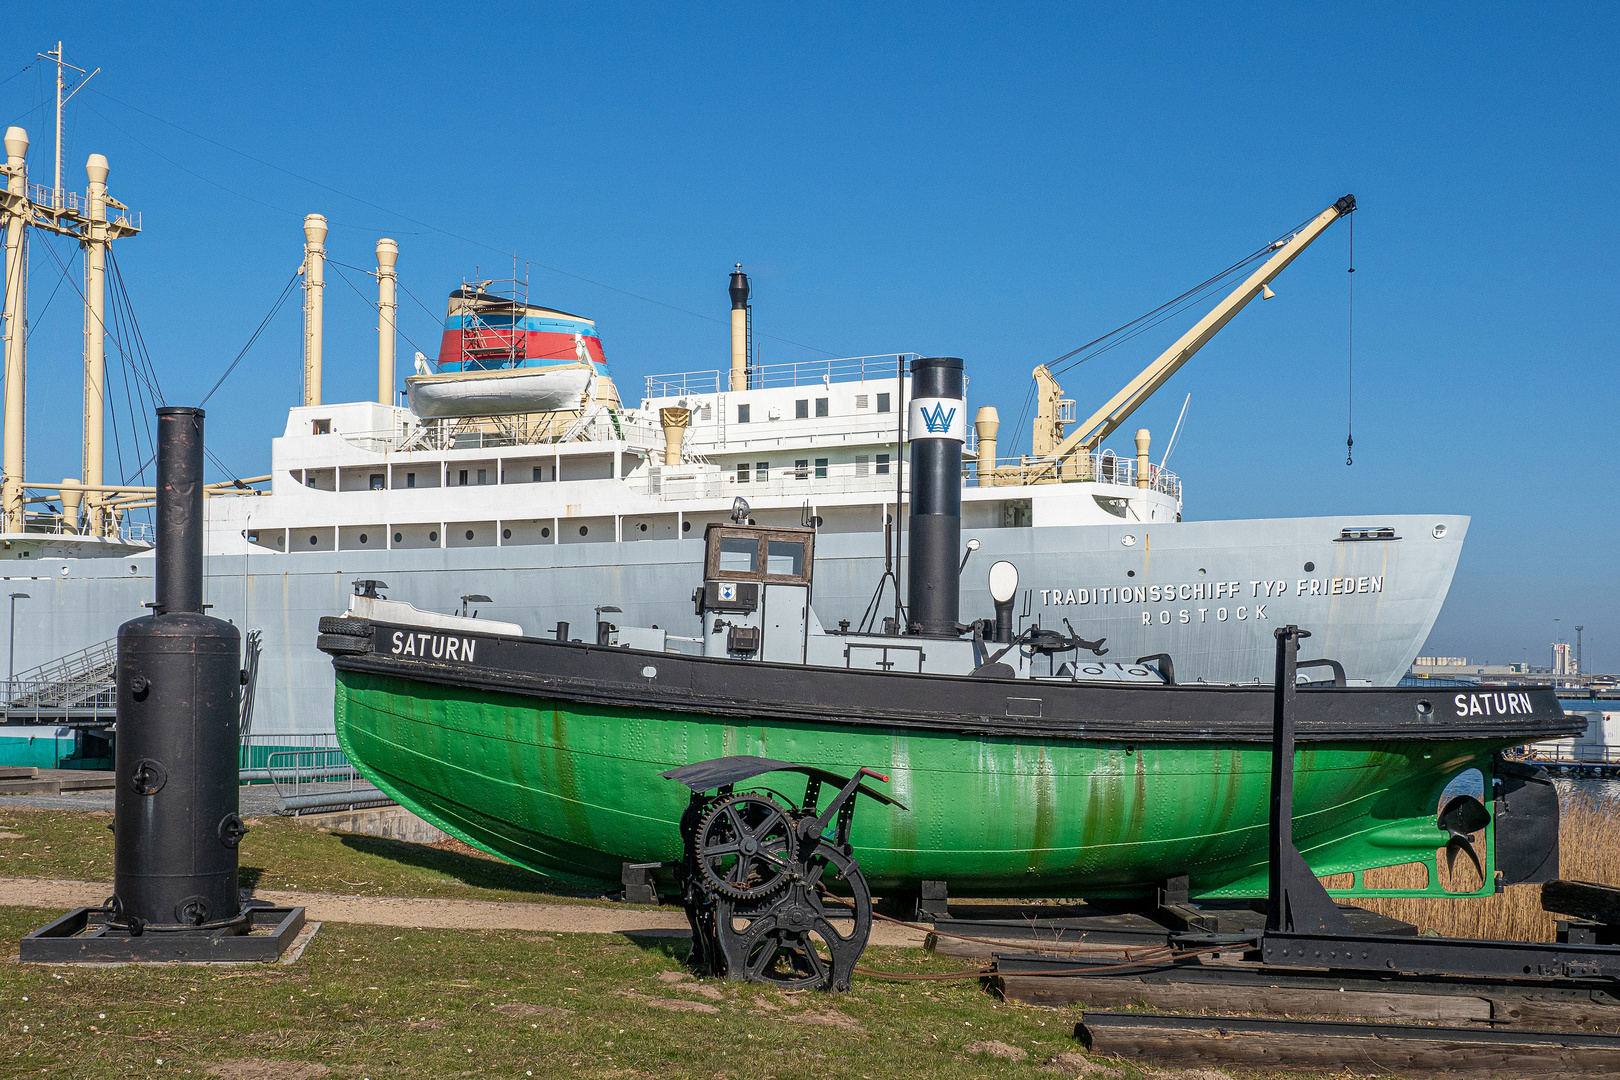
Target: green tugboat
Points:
(1031, 765)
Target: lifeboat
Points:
(500, 356)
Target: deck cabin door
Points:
(787, 610)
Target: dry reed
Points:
(1589, 850)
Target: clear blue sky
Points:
(997, 182)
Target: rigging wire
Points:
(1350, 339)
(24, 71)
(34, 323)
(418, 221)
(1147, 321)
(137, 384)
(370, 302)
(146, 369)
(275, 308)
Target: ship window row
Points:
(473, 474)
(802, 408)
(759, 472)
(522, 532)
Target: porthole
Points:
(686, 526)
(1308, 567)
(1130, 573)
(1129, 540)
(1440, 532)
(433, 537)
(642, 526)
(132, 568)
(545, 533)
(583, 530)
(469, 534)
(314, 540)
(1202, 571)
(398, 537)
(506, 534)
(362, 538)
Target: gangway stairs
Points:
(79, 688)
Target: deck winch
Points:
(758, 876)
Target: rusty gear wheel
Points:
(745, 846)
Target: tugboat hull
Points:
(549, 754)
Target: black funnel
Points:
(739, 289)
(937, 427)
(179, 509)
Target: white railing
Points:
(78, 205)
(488, 433)
(788, 479)
(806, 373)
(1099, 468)
(46, 523)
(1573, 755)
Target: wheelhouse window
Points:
(801, 409)
(883, 403)
(784, 557)
(739, 554)
(758, 553)
(821, 406)
(742, 414)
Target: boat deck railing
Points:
(76, 204)
(496, 432)
(1102, 468)
(799, 373)
(55, 523)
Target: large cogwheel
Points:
(746, 846)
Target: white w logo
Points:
(938, 419)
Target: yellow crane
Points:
(1056, 453)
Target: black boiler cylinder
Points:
(176, 808)
(176, 820)
(936, 425)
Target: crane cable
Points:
(1350, 350)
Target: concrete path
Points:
(426, 913)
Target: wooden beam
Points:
(1120, 993)
(1582, 900)
(1452, 1055)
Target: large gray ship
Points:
(510, 479)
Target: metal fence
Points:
(843, 369)
(317, 778)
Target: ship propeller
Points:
(1461, 817)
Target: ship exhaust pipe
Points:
(176, 809)
(739, 329)
(937, 427)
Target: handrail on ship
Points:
(493, 432)
(801, 373)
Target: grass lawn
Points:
(379, 1002)
(279, 853)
